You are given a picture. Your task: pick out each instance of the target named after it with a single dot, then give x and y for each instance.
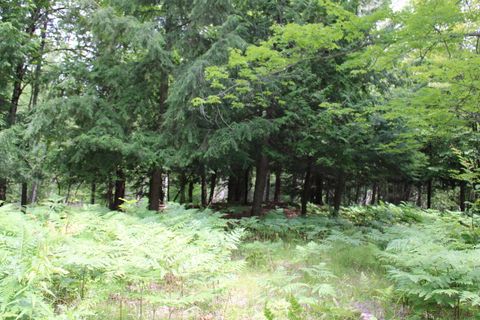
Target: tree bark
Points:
(93, 190)
(318, 197)
(246, 186)
(278, 185)
(203, 187)
(181, 191)
(213, 182)
(429, 194)
(419, 195)
(306, 189)
(155, 190)
(267, 188)
(24, 197)
(260, 181)
(374, 193)
(119, 190)
(462, 197)
(3, 190)
(339, 188)
(191, 185)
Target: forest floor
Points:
(382, 262)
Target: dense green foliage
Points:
(344, 102)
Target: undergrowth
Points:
(381, 262)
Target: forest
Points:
(239, 159)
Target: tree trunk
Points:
(181, 190)
(278, 185)
(267, 188)
(24, 197)
(109, 194)
(191, 185)
(463, 192)
(155, 190)
(92, 193)
(213, 182)
(119, 190)
(318, 197)
(429, 194)
(246, 185)
(260, 180)
(306, 189)
(418, 202)
(203, 187)
(33, 192)
(3, 189)
(339, 188)
(374, 193)
(232, 188)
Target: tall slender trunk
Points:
(24, 197)
(318, 198)
(278, 185)
(306, 188)
(119, 190)
(462, 197)
(93, 190)
(181, 191)
(232, 188)
(155, 190)
(34, 191)
(213, 182)
(429, 194)
(3, 189)
(339, 188)
(357, 193)
(168, 187)
(374, 193)
(419, 195)
(246, 186)
(267, 188)
(203, 187)
(260, 181)
(191, 185)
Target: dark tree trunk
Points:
(203, 187)
(155, 190)
(307, 186)
(168, 187)
(109, 194)
(93, 190)
(357, 193)
(246, 186)
(374, 193)
(232, 188)
(181, 190)
(267, 188)
(260, 180)
(24, 197)
(339, 188)
(429, 194)
(213, 183)
(462, 198)
(419, 195)
(318, 197)
(119, 190)
(278, 185)
(3, 189)
(191, 185)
